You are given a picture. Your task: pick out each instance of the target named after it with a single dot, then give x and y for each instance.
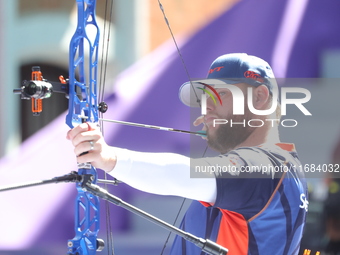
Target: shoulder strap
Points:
(277, 160)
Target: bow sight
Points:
(39, 88)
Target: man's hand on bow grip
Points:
(90, 146)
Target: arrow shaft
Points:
(200, 133)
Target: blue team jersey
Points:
(260, 209)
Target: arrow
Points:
(199, 133)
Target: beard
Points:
(226, 136)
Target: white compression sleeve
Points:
(163, 174)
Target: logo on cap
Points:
(217, 69)
(253, 75)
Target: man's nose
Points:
(210, 104)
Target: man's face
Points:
(225, 137)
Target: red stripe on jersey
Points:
(233, 233)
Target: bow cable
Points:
(101, 91)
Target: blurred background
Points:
(300, 39)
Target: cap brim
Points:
(191, 91)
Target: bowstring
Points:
(198, 101)
(178, 49)
(101, 92)
(105, 45)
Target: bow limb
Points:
(83, 103)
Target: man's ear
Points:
(260, 97)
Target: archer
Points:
(249, 212)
